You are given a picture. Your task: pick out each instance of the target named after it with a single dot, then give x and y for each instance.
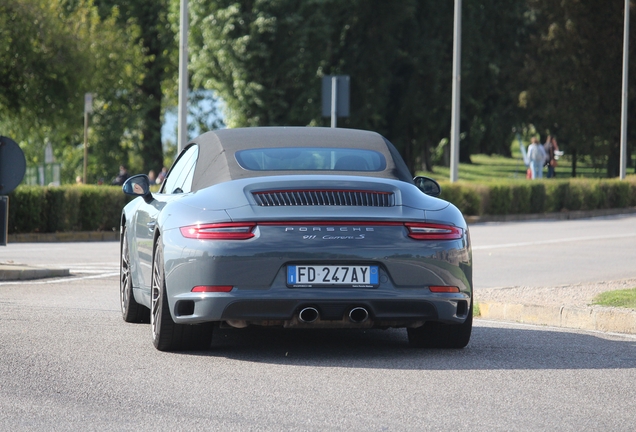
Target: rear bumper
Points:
(410, 308)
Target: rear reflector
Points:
(220, 231)
(428, 231)
(444, 289)
(212, 288)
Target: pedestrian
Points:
(162, 175)
(536, 157)
(121, 177)
(551, 148)
(152, 177)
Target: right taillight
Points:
(429, 231)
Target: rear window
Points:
(310, 159)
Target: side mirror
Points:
(428, 186)
(138, 185)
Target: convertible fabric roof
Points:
(217, 163)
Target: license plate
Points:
(329, 275)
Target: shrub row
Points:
(545, 196)
(65, 208)
(98, 208)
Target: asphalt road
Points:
(551, 253)
(69, 362)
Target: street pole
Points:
(457, 47)
(182, 120)
(334, 98)
(84, 178)
(623, 160)
(88, 108)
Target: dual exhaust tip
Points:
(357, 315)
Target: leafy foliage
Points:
(573, 76)
(56, 51)
(533, 66)
(265, 59)
(156, 37)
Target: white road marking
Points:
(65, 279)
(553, 241)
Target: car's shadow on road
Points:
(491, 347)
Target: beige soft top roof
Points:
(217, 163)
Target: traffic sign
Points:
(12, 165)
(341, 101)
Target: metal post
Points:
(84, 178)
(4, 220)
(182, 120)
(457, 47)
(88, 108)
(334, 99)
(623, 161)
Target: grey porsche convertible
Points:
(297, 227)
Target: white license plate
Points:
(316, 275)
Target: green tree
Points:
(573, 77)
(55, 51)
(260, 57)
(41, 63)
(265, 59)
(157, 38)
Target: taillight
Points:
(220, 231)
(428, 231)
(443, 289)
(212, 288)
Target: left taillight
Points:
(428, 231)
(220, 231)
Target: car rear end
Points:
(299, 251)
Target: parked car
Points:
(294, 227)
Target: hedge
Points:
(98, 208)
(65, 208)
(540, 196)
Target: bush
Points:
(27, 210)
(547, 196)
(89, 208)
(538, 197)
(467, 198)
(65, 208)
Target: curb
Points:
(599, 318)
(71, 236)
(565, 215)
(19, 272)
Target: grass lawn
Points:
(484, 168)
(476, 310)
(619, 298)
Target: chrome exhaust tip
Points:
(308, 315)
(358, 315)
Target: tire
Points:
(440, 335)
(131, 311)
(166, 334)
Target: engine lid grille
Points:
(324, 198)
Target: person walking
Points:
(551, 147)
(536, 157)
